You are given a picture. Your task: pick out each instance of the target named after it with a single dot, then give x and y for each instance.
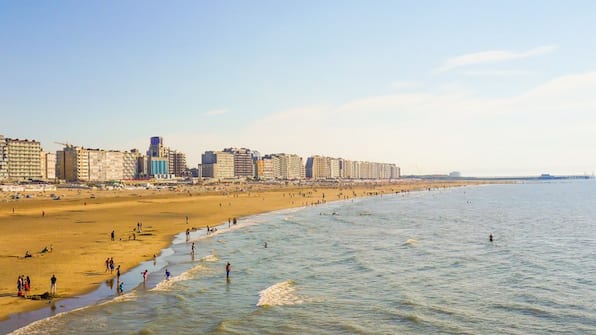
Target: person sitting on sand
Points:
(45, 249)
(27, 254)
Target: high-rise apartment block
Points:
(267, 167)
(129, 164)
(320, 167)
(291, 167)
(217, 164)
(280, 166)
(243, 162)
(177, 163)
(80, 164)
(3, 158)
(48, 165)
(23, 159)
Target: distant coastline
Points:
(512, 178)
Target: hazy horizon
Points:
(493, 89)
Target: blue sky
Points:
(487, 88)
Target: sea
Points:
(405, 263)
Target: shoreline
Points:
(91, 294)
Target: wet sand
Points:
(77, 228)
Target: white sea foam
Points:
(166, 284)
(129, 296)
(210, 258)
(45, 326)
(280, 294)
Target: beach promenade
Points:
(71, 237)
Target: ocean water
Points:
(411, 263)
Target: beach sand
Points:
(78, 226)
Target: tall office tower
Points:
(158, 158)
(217, 164)
(156, 147)
(3, 158)
(23, 159)
(243, 162)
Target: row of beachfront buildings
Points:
(22, 160)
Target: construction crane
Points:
(68, 145)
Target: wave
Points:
(280, 294)
(410, 241)
(130, 296)
(166, 284)
(210, 258)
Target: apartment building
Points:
(3, 158)
(318, 167)
(129, 164)
(48, 165)
(268, 168)
(177, 163)
(217, 164)
(23, 159)
(91, 165)
(291, 166)
(334, 165)
(243, 162)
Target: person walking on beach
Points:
(107, 264)
(111, 265)
(118, 273)
(20, 286)
(53, 285)
(228, 269)
(27, 286)
(112, 235)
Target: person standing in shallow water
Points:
(490, 237)
(53, 285)
(228, 268)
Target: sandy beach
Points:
(76, 229)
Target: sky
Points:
(487, 88)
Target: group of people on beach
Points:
(23, 286)
(110, 265)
